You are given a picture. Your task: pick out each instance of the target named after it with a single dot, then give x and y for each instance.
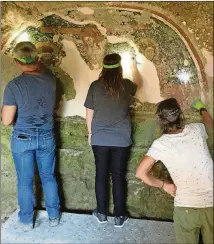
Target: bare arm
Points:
(8, 114)
(89, 117)
(207, 120)
(142, 173)
(136, 75)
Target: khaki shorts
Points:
(189, 221)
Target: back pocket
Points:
(20, 144)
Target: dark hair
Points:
(170, 115)
(112, 78)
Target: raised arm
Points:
(136, 75)
(207, 119)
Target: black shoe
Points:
(101, 218)
(119, 221)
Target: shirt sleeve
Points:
(202, 130)
(132, 87)
(89, 102)
(9, 99)
(156, 151)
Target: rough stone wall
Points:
(72, 38)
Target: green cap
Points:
(111, 66)
(198, 104)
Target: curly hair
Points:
(112, 78)
(170, 116)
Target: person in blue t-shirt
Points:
(28, 105)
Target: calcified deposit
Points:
(173, 47)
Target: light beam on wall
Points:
(184, 76)
(15, 34)
(126, 62)
(23, 37)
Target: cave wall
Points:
(174, 41)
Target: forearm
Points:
(89, 117)
(8, 115)
(136, 78)
(207, 119)
(150, 180)
(143, 172)
(89, 126)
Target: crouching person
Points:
(183, 150)
(28, 104)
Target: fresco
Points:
(77, 41)
(174, 60)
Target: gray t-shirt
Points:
(34, 96)
(111, 124)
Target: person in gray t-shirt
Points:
(28, 105)
(109, 127)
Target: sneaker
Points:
(101, 218)
(54, 221)
(119, 221)
(26, 227)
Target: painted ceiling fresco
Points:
(74, 42)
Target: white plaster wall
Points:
(82, 75)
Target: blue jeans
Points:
(28, 146)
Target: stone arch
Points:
(179, 30)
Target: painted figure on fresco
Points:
(28, 105)
(184, 151)
(109, 133)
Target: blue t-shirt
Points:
(34, 96)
